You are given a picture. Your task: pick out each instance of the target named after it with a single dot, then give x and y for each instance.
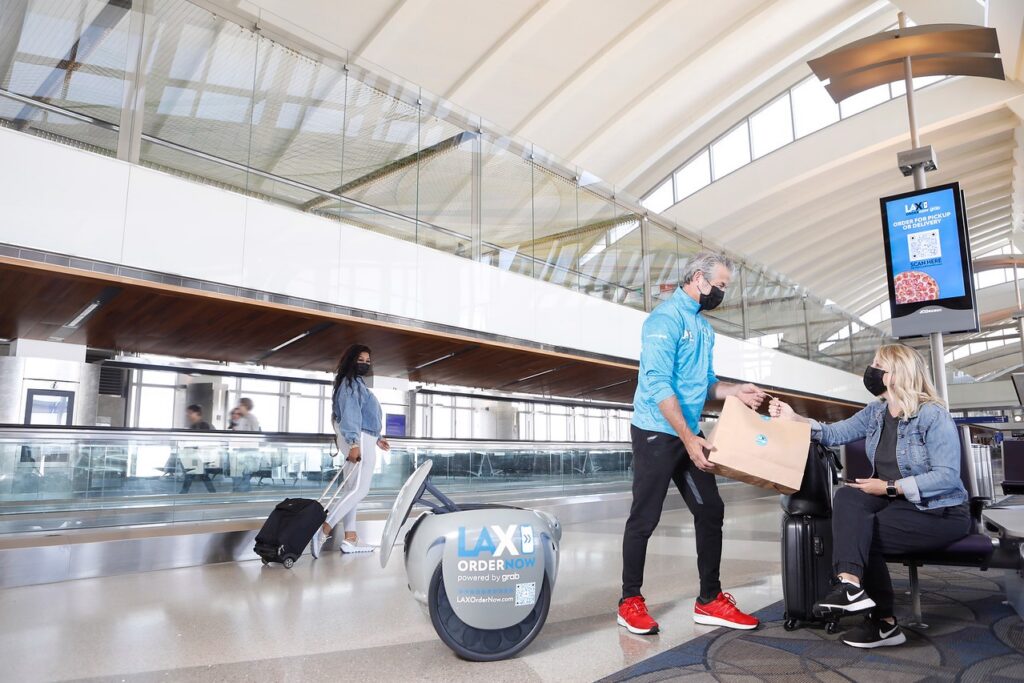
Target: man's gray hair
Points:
(705, 262)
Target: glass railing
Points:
(220, 103)
(54, 478)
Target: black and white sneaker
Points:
(875, 633)
(845, 598)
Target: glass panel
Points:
(830, 343)
(663, 263)
(445, 193)
(772, 127)
(49, 408)
(660, 199)
(199, 92)
(694, 175)
(70, 54)
(555, 243)
(864, 100)
(267, 410)
(299, 112)
(303, 414)
(156, 407)
(381, 148)
(612, 267)
(159, 377)
(775, 315)
(506, 197)
(261, 385)
(813, 108)
(730, 151)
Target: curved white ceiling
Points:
(610, 86)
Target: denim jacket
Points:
(356, 410)
(676, 358)
(927, 451)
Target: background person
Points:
(914, 501)
(676, 378)
(246, 421)
(194, 415)
(357, 426)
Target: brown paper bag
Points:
(758, 450)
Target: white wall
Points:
(73, 202)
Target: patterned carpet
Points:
(972, 636)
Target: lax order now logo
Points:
(497, 541)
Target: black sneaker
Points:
(875, 633)
(845, 598)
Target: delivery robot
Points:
(485, 572)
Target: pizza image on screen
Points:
(913, 286)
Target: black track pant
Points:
(865, 528)
(658, 460)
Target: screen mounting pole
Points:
(935, 338)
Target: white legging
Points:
(357, 482)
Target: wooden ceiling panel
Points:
(37, 299)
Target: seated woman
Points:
(914, 501)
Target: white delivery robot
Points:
(485, 572)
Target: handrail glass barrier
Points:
(82, 478)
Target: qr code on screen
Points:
(924, 246)
(526, 594)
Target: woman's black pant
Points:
(865, 528)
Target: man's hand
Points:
(751, 396)
(874, 487)
(695, 447)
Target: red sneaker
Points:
(633, 615)
(722, 611)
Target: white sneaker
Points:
(348, 547)
(317, 544)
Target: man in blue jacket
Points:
(676, 379)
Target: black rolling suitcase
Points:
(807, 541)
(290, 527)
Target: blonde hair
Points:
(909, 386)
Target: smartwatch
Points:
(890, 489)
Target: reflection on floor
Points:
(345, 617)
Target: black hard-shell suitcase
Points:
(806, 568)
(807, 541)
(290, 527)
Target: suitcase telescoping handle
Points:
(355, 466)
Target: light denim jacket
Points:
(927, 451)
(356, 410)
(676, 354)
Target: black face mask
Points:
(712, 299)
(873, 381)
(362, 369)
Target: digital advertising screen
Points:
(928, 262)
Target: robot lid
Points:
(411, 491)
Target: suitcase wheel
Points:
(289, 563)
(790, 624)
(832, 628)
(265, 561)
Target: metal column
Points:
(133, 101)
(645, 262)
(935, 338)
(476, 219)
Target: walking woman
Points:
(913, 502)
(357, 426)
